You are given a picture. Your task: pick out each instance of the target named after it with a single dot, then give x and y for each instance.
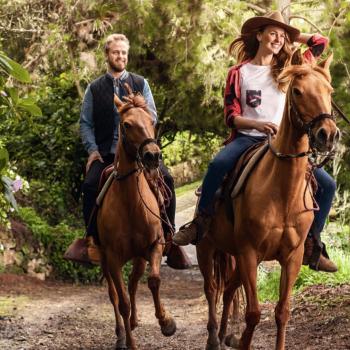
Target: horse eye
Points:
(126, 125)
(297, 92)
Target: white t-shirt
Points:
(260, 97)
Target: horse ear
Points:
(118, 102)
(128, 89)
(285, 77)
(325, 64)
(297, 58)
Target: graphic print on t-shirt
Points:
(253, 98)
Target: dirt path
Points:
(52, 315)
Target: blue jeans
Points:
(221, 165)
(227, 158)
(324, 196)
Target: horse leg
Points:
(113, 296)
(139, 266)
(231, 340)
(205, 256)
(124, 303)
(166, 322)
(289, 273)
(247, 266)
(229, 296)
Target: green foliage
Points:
(48, 151)
(56, 239)
(10, 103)
(13, 69)
(187, 145)
(185, 62)
(195, 147)
(308, 277)
(4, 158)
(268, 282)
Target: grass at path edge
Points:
(187, 188)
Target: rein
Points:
(340, 112)
(306, 128)
(120, 177)
(286, 155)
(136, 154)
(312, 153)
(169, 194)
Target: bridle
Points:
(312, 153)
(135, 153)
(306, 128)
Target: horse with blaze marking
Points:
(274, 212)
(129, 223)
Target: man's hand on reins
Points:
(95, 155)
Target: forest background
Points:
(180, 47)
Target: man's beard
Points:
(115, 68)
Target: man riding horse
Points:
(99, 122)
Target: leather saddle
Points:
(237, 178)
(235, 181)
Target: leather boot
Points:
(177, 258)
(308, 249)
(326, 265)
(193, 231)
(317, 261)
(83, 251)
(93, 251)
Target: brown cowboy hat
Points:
(273, 18)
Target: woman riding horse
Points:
(273, 213)
(253, 108)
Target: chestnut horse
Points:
(129, 222)
(274, 212)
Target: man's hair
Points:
(113, 38)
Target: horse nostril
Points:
(152, 158)
(148, 157)
(157, 156)
(322, 136)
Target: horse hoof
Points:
(232, 341)
(168, 327)
(213, 347)
(121, 345)
(133, 325)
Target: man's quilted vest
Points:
(104, 113)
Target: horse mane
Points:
(294, 71)
(134, 101)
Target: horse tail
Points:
(224, 265)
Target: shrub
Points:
(56, 239)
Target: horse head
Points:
(310, 103)
(137, 130)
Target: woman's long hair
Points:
(246, 46)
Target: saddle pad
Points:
(245, 166)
